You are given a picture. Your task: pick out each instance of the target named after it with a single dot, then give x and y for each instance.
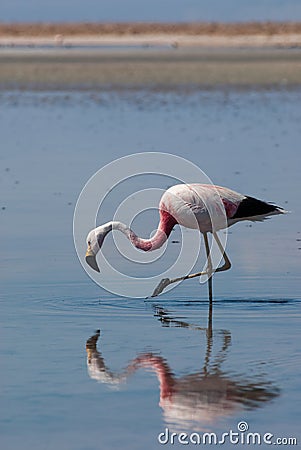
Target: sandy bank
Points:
(146, 28)
(157, 40)
(249, 34)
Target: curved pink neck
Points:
(167, 222)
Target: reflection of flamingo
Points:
(196, 400)
(200, 399)
(199, 206)
(96, 365)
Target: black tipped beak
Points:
(91, 261)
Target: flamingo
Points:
(189, 205)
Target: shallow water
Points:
(51, 144)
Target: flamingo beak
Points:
(91, 259)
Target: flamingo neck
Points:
(167, 222)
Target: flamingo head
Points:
(94, 242)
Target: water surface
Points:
(153, 365)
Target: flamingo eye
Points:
(89, 242)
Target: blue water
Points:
(158, 11)
(52, 395)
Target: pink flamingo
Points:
(192, 206)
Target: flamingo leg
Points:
(226, 266)
(209, 271)
(227, 263)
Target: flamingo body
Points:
(192, 206)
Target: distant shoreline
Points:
(157, 56)
(252, 34)
(149, 28)
(154, 40)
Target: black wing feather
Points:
(250, 207)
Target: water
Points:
(153, 366)
(132, 10)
